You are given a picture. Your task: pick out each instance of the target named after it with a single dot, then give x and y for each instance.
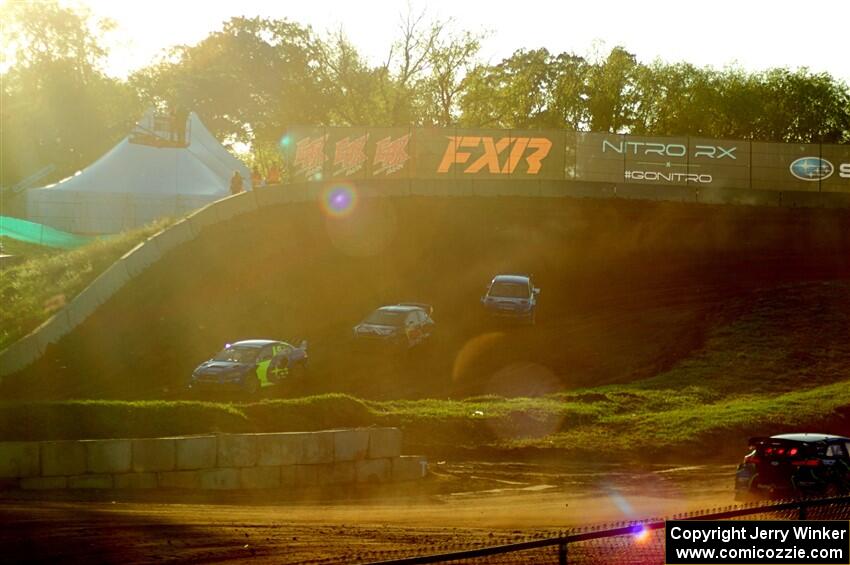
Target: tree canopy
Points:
(254, 77)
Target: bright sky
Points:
(754, 34)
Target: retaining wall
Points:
(28, 349)
(217, 462)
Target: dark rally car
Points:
(512, 296)
(250, 366)
(402, 325)
(792, 465)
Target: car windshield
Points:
(509, 290)
(386, 318)
(237, 354)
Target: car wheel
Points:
(299, 371)
(831, 490)
(252, 385)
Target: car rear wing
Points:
(427, 307)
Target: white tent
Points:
(146, 176)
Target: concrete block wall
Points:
(213, 462)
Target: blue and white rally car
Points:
(512, 296)
(250, 366)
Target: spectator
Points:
(236, 183)
(180, 117)
(256, 178)
(273, 176)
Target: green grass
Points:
(33, 289)
(615, 426)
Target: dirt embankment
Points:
(628, 288)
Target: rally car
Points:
(402, 325)
(512, 296)
(791, 465)
(250, 366)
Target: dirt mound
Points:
(628, 289)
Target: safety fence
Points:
(628, 543)
(39, 234)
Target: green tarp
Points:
(39, 234)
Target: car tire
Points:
(299, 371)
(831, 490)
(252, 386)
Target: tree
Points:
(677, 99)
(407, 61)
(611, 91)
(353, 87)
(529, 89)
(514, 93)
(58, 107)
(249, 81)
(450, 59)
(798, 106)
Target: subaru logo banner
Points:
(811, 168)
(361, 153)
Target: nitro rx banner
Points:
(662, 160)
(697, 542)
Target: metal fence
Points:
(630, 543)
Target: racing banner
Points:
(801, 167)
(661, 160)
(786, 166)
(390, 153)
(305, 153)
(836, 158)
(345, 151)
(317, 153)
(489, 154)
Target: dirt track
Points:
(629, 288)
(461, 506)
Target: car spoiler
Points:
(758, 440)
(427, 307)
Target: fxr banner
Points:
(355, 153)
(493, 154)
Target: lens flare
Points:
(339, 201)
(285, 141)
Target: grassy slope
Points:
(629, 290)
(778, 365)
(32, 290)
